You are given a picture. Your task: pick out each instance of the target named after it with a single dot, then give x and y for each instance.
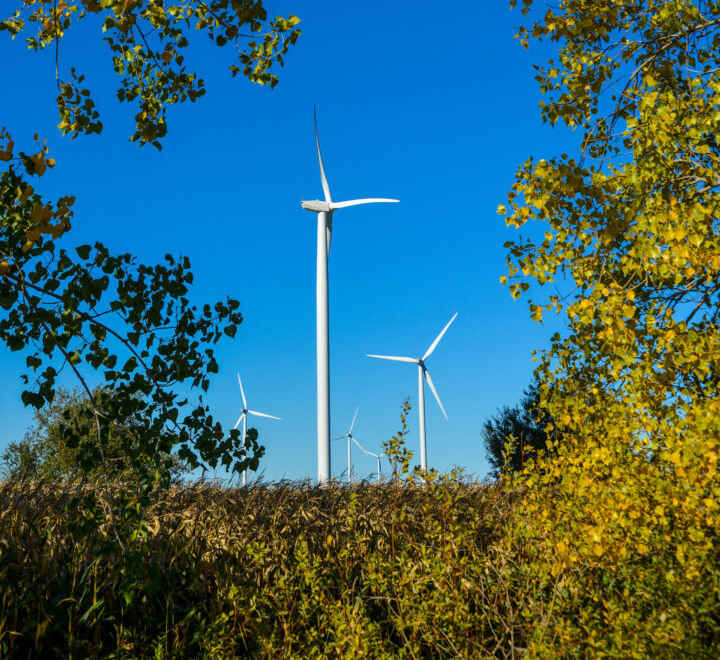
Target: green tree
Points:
(85, 309)
(63, 443)
(147, 41)
(522, 428)
(632, 242)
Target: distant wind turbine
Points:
(243, 418)
(423, 373)
(325, 209)
(350, 437)
(369, 453)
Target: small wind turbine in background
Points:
(243, 419)
(377, 457)
(423, 375)
(324, 210)
(349, 437)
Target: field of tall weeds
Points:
(414, 567)
(276, 570)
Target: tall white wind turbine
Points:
(350, 437)
(243, 418)
(423, 374)
(324, 210)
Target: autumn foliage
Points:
(632, 494)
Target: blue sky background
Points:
(435, 107)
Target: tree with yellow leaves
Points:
(631, 259)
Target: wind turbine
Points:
(324, 210)
(423, 373)
(350, 437)
(243, 419)
(377, 456)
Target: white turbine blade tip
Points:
(396, 359)
(353, 420)
(340, 437)
(323, 178)
(434, 391)
(438, 338)
(239, 420)
(259, 414)
(242, 391)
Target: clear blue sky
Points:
(433, 105)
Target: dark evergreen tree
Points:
(525, 424)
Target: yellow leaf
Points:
(41, 214)
(39, 162)
(6, 154)
(25, 194)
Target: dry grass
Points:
(267, 571)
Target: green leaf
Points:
(83, 251)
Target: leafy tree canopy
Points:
(63, 443)
(147, 40)
(633, 219)
(631, 260)
(87, 310)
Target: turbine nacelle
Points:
(316, 206)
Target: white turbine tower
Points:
(243, 419)
(350, 437)
(423, 374)
(324, 210)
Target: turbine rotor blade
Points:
(362, 448)
(353, 422)
(325, 186)
(434, 391)
(340, 437)
(259, 414)
(239, 420)
(328, 230)
(242, 392)
(396, 359)
(437, 339)
(356, 202)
